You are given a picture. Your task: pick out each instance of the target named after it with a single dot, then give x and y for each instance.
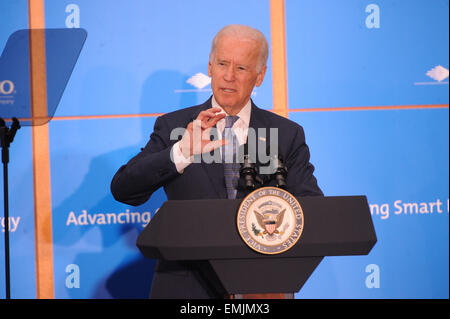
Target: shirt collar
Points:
(244, 113)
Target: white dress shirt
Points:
(240, 129)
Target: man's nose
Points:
(229, 74)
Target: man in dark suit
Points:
(237, 64)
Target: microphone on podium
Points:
(280, 171)
(247, 171)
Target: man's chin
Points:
(227, 103)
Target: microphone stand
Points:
(7, 136)
(248, 173)
(280, 172)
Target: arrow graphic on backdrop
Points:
(438, 73)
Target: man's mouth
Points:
(228, 90)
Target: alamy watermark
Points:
(258, 148)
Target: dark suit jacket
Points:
(152, 168)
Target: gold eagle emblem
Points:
(269, 222)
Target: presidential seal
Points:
(270, 220)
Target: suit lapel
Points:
(261, 127)
(257, 118)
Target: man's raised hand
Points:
(197, 138)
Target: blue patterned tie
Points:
(231, 167)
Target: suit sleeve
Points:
(300, 178)
(135, 182)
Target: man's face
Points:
(233, 71)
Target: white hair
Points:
(243, 32)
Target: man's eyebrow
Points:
(238, 64)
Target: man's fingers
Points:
(213, 145)
(209, 118)
(210, 122)
(200, 142)
(213, 121)
(208, 113)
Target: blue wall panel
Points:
(137, 58)
(94, 235)
(336, 58)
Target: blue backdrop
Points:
(138, 59)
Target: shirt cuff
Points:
(178, 158)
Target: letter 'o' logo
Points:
(6, 87)
(270, 220)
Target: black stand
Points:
(7, 136)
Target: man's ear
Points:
(209, 68)
(260, 76)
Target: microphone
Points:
(247, 171)
(279, 169)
